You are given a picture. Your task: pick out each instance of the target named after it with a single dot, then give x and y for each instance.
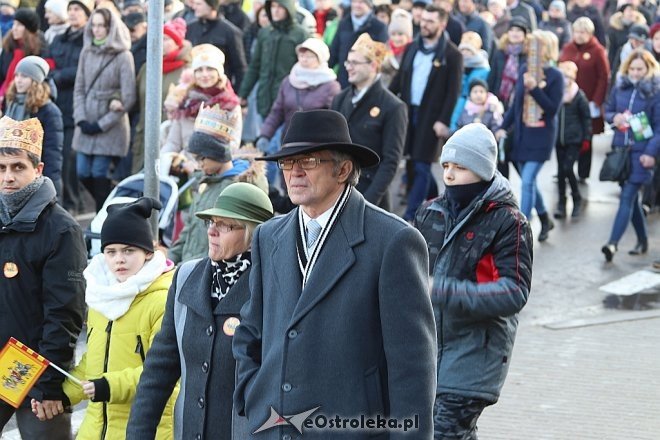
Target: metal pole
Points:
(152, 107)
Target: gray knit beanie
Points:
(473, 147)
(33, 67)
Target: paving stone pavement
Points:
(600, 382)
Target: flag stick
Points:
(73, 379)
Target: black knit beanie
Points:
(28, 18)
(128, 224)
(206, 145)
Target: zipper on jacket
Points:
(140, 348)
(108, 331)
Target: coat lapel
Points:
(284, 255)
(336, 257)
(196, 291)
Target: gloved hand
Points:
(262, 144)
(586, 146)
(90, 128)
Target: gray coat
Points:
(358, 340)
(113, 64)
(192, 346)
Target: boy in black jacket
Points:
(573, 137)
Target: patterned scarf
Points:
(12, 203)
(510, 71)
(227, 272)
(222, 94)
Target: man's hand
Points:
(441, 130)
(47, 409)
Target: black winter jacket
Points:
(482, 270)
(43, 305)
(228, 38)
(574, 121)
(51, 120)
(65, 51)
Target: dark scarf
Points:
(440, 46)
(227, 272)
(16, 108)
(170, 61)
(11, 204)
(460, 197)
(223, 94)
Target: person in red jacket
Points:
(592, 77)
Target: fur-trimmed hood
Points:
(616, 20)
(646, 87)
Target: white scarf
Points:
(302, 78)
(111, 298)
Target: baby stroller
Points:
(129, 189)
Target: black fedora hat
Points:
(316, 130)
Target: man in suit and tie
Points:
(339, 323)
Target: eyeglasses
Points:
(306, 163)
(349, 63)
(220, 226)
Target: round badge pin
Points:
(229, 327)
(10, 269)
(586, 56)
(374, 112)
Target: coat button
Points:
(200, 402)
(286, 437)
(205, 367)
(293, 334)
(198, 437)
(209, 331)
(286, 387)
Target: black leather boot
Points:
(577, 206)
(640, 248)
(560, 212)
(546, 226)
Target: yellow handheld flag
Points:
(20, 368)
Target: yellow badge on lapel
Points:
(10, 269)
(586, 56)
(374, 112)
(230, 325)
(436, 63)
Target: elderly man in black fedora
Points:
(339, 325)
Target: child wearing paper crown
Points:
(482, 248)
(573, 137)
(126, 292)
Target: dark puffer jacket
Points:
(574, 121)
(482, 270)
(65, 50)
(643, 96)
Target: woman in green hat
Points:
(202, 313)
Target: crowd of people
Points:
(304, 109)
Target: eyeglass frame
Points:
(317, 161)
(225, 228)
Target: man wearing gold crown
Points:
(215, 131)
(42, 256)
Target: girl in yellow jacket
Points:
(126, 292)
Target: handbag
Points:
(616, 167)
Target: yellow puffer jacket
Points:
(116, 351)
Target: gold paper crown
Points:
(27, 135)
(219, 123)
(370, 49)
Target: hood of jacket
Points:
(290, 6)
(616, 20)
(112, 298)
(118, 40)
(645, 87)
(26, 219)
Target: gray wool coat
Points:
(358, 340)
(113, 64)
